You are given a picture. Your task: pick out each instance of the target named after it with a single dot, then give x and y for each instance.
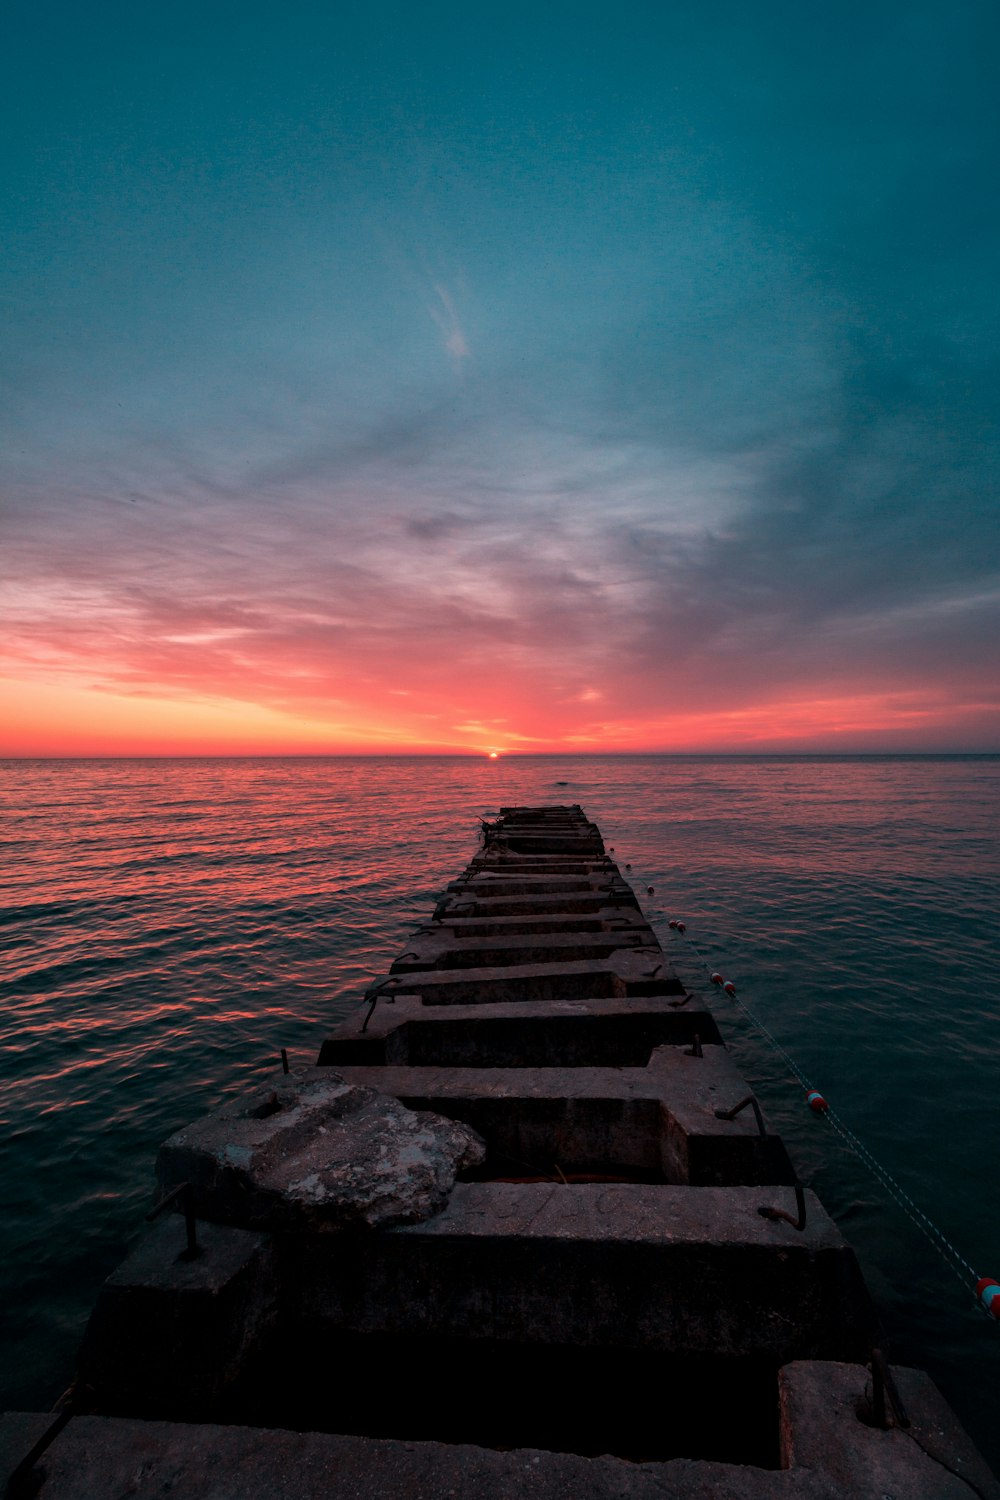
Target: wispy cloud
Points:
(452, 335)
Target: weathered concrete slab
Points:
(556, 810)
(170, 1334)
(534, 872)
(536, 842)
(497, 882)
(507, 863)
(507, 826)
(311, 1152)
(103, 1456)
(430, 951)
(513, 866)
(821, 1430)
(465, 902)
(532, 1123)
(613, 1031)
(687, 1271)
(659, 1120)
(572, 819)
(700, 1148)
(604, 919)
(627, 972)
(571, 832)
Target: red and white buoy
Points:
(988, 1292)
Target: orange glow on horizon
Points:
(76, 718)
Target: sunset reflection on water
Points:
(172, 924)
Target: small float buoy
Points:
(650, 891)
(672, 924)
(681, 927)
(817, 1103)
(716, 977)
(729, 987)
(628, 867)
(988, 1292)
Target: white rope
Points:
(947, 1251)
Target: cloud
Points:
(452, 335)
(428, 566)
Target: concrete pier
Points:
(523, 1229)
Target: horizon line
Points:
(522, 755)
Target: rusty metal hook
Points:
(884, 1385)
(730, 1114)
(373, 996)
(766, 1211)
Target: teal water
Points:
(169, 925)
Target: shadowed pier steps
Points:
(505, 1238)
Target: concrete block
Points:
(444, 950)
(499, 903)
(536, 842)
(658, 1121)
(101, 1456)
(567, 1033)
(932, 1458)
(556, 811)
(311, 1152)
(507, 863)
(626, 972)
(699, 1148)
(108, 1456)
(487, 883)
(540, 1121)
(687, 1271)
(606, 919)
(170, 1335)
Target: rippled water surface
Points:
(169, 925)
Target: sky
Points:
(434, 377)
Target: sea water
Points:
(170, 925)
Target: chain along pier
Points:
(522, 1230)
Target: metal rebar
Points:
(884, 1385)
(184, 1194)
(730, 1114)
(373, 996)
(766, 1210)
